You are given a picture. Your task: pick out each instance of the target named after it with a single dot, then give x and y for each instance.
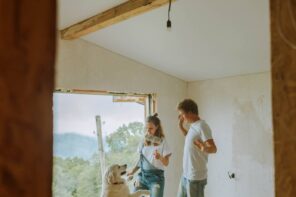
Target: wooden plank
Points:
(114, 15)
(283, 37)
(27, 50)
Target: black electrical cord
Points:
(169, 23)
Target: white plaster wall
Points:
(238, 109)
(85, 66)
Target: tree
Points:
(76, 177)
(125, 137)
(79, 177)
(123, 144)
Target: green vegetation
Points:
(81, 177)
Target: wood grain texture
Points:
(114, 15)
(27, 50)
(283, 35)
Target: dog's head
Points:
(114, 173)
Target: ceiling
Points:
(209, 38)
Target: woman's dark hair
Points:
(156, 121)
(188, 105)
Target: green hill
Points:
(70, 145)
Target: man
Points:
(198, 144)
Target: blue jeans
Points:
(191, 188)
(152, 182)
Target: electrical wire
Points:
(169, 11)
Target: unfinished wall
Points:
(85, 66)
(238, 109)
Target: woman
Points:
(154, 157)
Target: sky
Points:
(76, 113)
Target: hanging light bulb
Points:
(169, 23)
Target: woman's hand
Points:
(130, 173)
(163, 160)
(157, 155)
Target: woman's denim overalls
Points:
(150, 178)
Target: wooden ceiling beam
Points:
(109, 17)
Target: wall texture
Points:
(238, 109)
(83, 65)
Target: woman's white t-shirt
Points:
(148, 152)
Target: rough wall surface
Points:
(83, 65)
(238, 109)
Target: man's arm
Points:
(181, 127)
(208, 146)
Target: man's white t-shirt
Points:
(148, 152)
(194, 160)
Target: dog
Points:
(115, 186)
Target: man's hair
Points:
(188, 105)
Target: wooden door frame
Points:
(27, 57)
(283, 39)
(27, 52)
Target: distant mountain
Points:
(74, 145)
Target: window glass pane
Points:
(76, 157)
